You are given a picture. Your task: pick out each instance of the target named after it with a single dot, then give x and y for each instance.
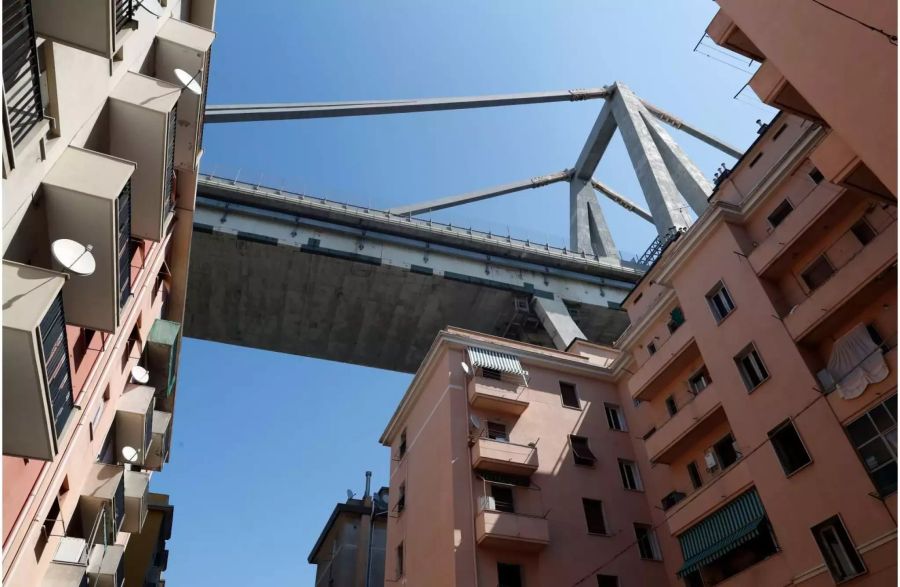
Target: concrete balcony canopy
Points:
(673, 356)
(29, 426)
(773, 88)
(103, 494)
(725, 33)
(159, 448)
(134, 421)
(693, 421)
(141, 128)
(864, 274)
(87, 24)
(81, 195)
(496, 396)
(105, 566)
(181, 45)
(504, 457)
(510, 530)
(137, 487)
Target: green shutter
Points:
(162, 355)
(720, 533)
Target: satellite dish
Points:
(74, 256)
(466, 369)
(140, 375)
(129, 454)
(188, 81)
(350, 494)
(475, 422)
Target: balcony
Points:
(84, 194)
(674, 355)
(69, 564)
(137, 487)
(725, 33)
(97, 26)
(23, 116)
(496, 396)
(717, 491)
(159, 448)
(859, 275)
(162, 355)
(181, 45)
(37, 393)
(504, 457)
(692, 421)
(142, 121)
(103, 502)
(511, 530)
(773, 88)
(134, 422)
(106, 566)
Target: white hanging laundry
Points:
(856, 361)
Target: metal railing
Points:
(21, 74)
(125, 245)
(54, 345)
(169, 179)
(124, 13)
(658, 245)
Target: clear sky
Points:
(265, 444)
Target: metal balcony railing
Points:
(125, 246)
(124, 13)
(119, 505)
(21, 74)
(54, 345)
(170, 163)
(658, 245)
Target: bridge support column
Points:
(557, 321)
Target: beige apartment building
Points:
(102, 116)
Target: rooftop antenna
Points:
(188, 81)
(74, 256)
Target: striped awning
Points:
(740, 521)
(494, 360)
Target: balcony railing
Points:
(170, 163)
(511, 530)
(21, 75)
(504, 457)
(124, 13)
(496, 396)
(54, 345)
(124, 245)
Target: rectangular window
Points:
(580, 451)
(646, 540)
(615, 418)
(726, 453)
(720, 302)
(818, 272)
(874, 436)
(752, 369)
(399, 560)
(780, 213)
(497, 431)
(778, 132)
(863, 232)
(569, 395)
(789, 448)
(401, 499)
(877, 338)
(503, 498)
(694, 474)
(489, 373)
(816, 176)
(401, 450)
(651, 348)
(509, 575)
(671, 406)
(699, 381)
(837, 549)
(676, 319)
(593, 514)
(631, 479)
(607, 581)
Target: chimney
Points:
(368, 484)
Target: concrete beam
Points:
(596, 143)
(256, 112)
(681, 125)
(588, 231)
(509, 188)
(557, 321)
(621, 200)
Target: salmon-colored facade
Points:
(752, 439)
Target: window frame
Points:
(497, 425)
(587, 462)
(400, 569)
(402, 447)
(803, 273)
(620, 416)
(780, 454)
(626, 465)
(777, 212)
(518, 568)
(652, 542)
(751, 351)
(598, 503)
(707, 380)
(881, 436)
(607, 580)
(836, 523)
(862, 222)
(711, 295)
(694, 475)
(511, 502)
(671, 405)
(651, 348)
(562, 395)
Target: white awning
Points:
(502, 362)
(856, 361)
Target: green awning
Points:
(729, 527)
(498, 361)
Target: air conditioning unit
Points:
(826, 381)
(106, 566)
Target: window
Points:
(401, 450)
(778, 132)
(646, 541)
(671, 407)
(877, 338)
(615, 418)
(497, 431)
(863, 232)
(401, 499)
(651, 348)
(399, 560)
(755, 160)
(699, 381)
(503, 498)
(580, 450)
(838, 551)
(818, 272)
(569, 395)
(780, 213)
(720, 302)
(726, 454)
(694, 474)
(789, 448)
(816, 176)
(676, 319)
(593, 514)
(874, 435)
(753, 372)
(489, 373)
(631, 479)
(607, 581)
(509, 575)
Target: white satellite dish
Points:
(466, 369)
(140, 375)
(350, 494)
(129, 454)
(74, 256)
(189, 81)
(475, 422)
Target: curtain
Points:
(856, 361)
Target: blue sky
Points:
(265, 444)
